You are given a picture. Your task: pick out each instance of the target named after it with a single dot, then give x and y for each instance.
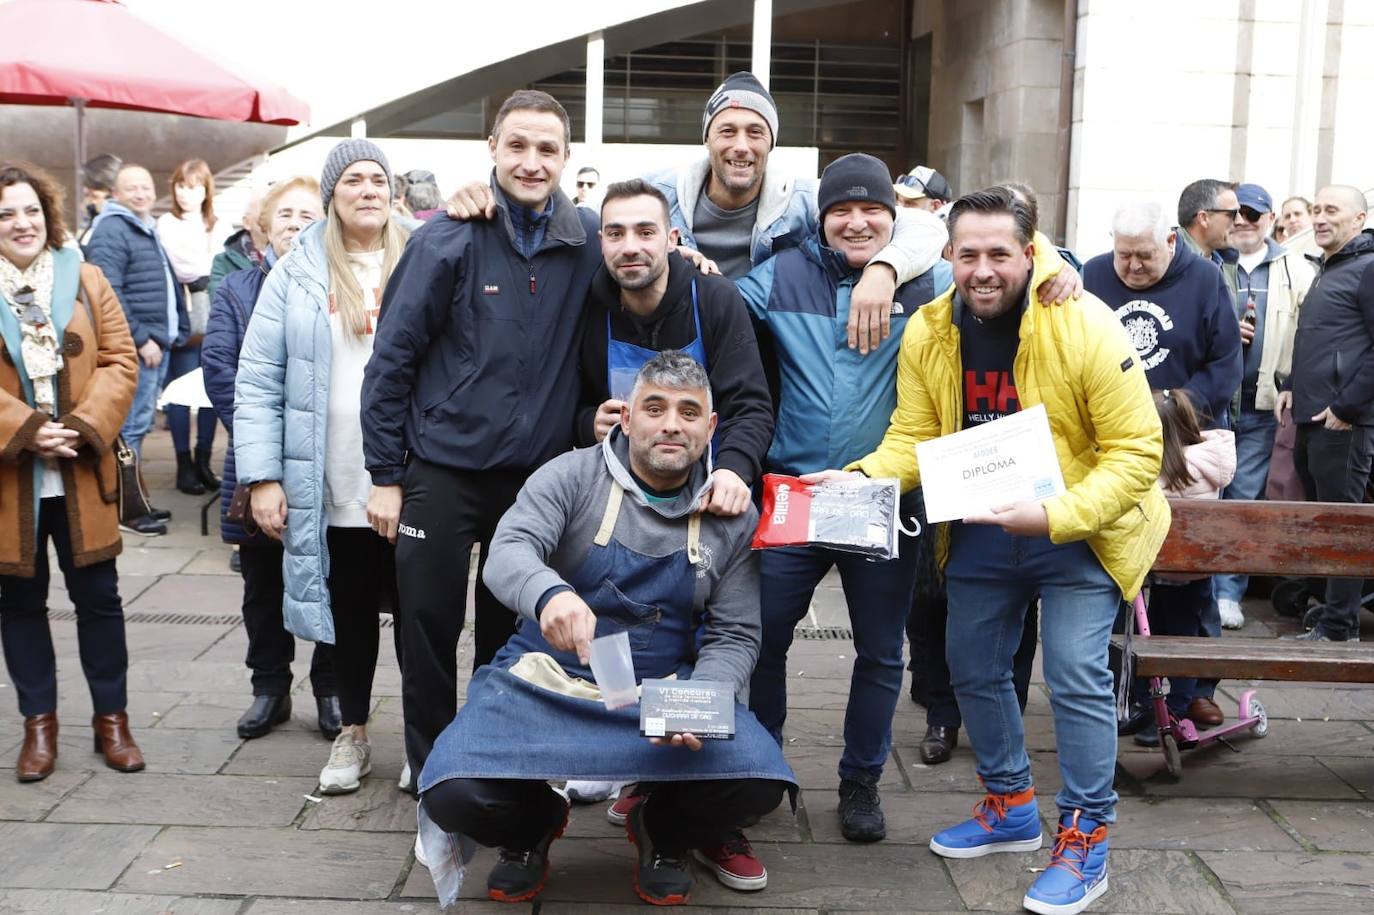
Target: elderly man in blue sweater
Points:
(1176, 308)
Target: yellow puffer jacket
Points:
(1075, 359)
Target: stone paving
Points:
(222, 826)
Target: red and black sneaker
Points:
(735, 863)
(617, 812)
(520, 874)
(661, 878)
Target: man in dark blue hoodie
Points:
(1176, 308)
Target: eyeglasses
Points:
(1230, 214)
(1251, 216)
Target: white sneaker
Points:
(1231, 615)
(591, 792)
(420, 853)
(404, 784)
(349, 761)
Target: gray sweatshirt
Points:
(549, 530)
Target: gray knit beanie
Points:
(742, 90)
(344, 154)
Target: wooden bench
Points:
(1262, 538)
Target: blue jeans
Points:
(1255, 431)
(992, 577)
(878, 595)
(139, 422)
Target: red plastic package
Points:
(855, 516)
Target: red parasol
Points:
(97, 54)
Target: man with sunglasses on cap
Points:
(923, 188)
(1273, 283)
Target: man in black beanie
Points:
(832, 410)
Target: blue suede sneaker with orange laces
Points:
(1078, 869)
(1001, 822)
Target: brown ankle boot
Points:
(112, 738)
(39, 753)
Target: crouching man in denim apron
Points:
(601, 540)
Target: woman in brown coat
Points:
(65, 387)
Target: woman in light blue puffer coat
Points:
(298, 436)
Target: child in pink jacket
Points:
(1197, 465)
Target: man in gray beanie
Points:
(344, 154)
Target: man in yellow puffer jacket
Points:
(980, 351)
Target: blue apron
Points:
(512, 728)
(624, 360)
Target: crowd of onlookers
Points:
(393, 369)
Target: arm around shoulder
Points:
(918, 240)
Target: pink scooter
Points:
(1177, 734)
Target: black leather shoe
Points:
(938, 743)
(146, 525)
(330, 718)
(161, 514)
(265, 713)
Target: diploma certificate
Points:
(1008, 460)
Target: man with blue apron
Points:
(643, 301)
(603, 540)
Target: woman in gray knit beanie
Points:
(344, 154)
(312, 330)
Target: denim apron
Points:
(513, 728)
(624, 360)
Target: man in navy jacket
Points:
(1176, 308)
(472, 385)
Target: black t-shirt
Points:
(987, 348)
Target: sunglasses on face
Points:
(1229, 214)
(1250, 216)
